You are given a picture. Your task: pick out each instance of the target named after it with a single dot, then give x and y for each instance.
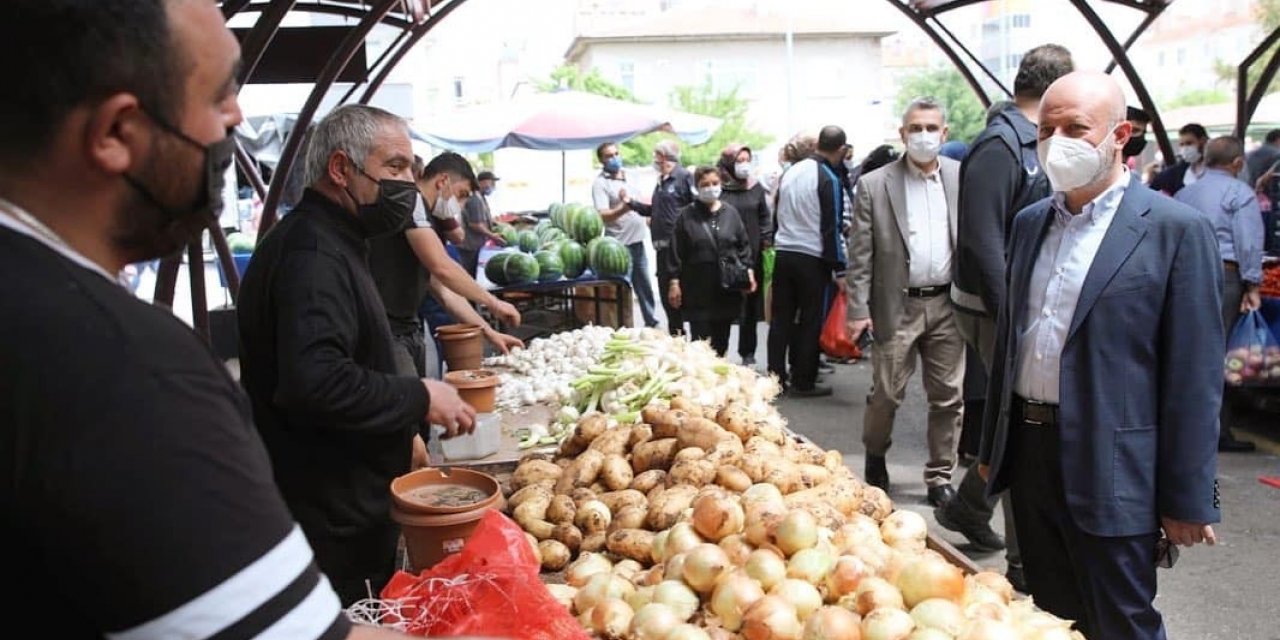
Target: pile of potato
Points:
(614, 487)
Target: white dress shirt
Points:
(1056, 281)
(928, 229)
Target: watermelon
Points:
(240, 243)
(591, 249)
(528, 241)
(573, 257)
(495, 268)
(510, 236)
(550, 267)
(549, 233)
(521, 268)
(611, 258)
(556, 214)
(584, 224)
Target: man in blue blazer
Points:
(1102, 412)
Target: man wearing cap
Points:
(479, 222)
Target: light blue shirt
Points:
(1237, 219)
(1056, 281)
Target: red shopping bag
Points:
(489, 589)
(835, 342)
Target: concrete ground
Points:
(1227, 592)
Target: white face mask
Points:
(447, 208)
(709, 194)
(1072, 163)
(923, 146)
(1189, 153)
(742, 170)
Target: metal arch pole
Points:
(1260, 90)
(967, 52)
(419, 32)
(246, 164)
(264, 30)
(232, 7)
(199, 297)
(942, 44)
(354, 12)
(1126, 65)
(1152, 14)
(376, 63)
(1244, 113)
(332, 69)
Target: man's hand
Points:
(751, 275)
(984, 471)
(856, 327)
(673, 295)
(498, 240)
(1260, 185)
(622, 197)
(1187, 534)
(504, 311)
(1252, 300)
(448, 410)
(420, 458)
(501, 341)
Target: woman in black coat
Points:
(706, 232)
(748, 197)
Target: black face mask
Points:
(1134, 146)
(393, 208)
(177, 226)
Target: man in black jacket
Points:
(674, 190)
(317, 356)
(1192, 139)
(1000, 176)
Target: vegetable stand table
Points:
(569, 303)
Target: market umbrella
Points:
(559, 121)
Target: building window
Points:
(627, 75)
(1160, 59)
(1182, 56)
(1021, 21)
(457, 89)
(1015, 59)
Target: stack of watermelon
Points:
(512, 267)
(609, 258)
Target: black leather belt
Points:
(1034, 413)
(1230, 265)
(927, 292)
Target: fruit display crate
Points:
(586, 300)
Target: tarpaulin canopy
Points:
(559, 121)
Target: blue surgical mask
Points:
(613, 165)
(488, 191)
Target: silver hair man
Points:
(350, 129)
(924, 103)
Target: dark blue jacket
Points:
(1141, 378)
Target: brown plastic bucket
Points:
(431, 533)
(463, 346)
(476, 387)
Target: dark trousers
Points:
(675, 320)
(351, 560)
(1106, 584)
(1232, 294)
(410, 353)
(641, 284)
(717, 331)
(751, 307)
(799, 282)
(470, 260)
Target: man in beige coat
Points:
(904, 233)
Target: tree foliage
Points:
(1196, 97)
(704, 100)
(965, 115)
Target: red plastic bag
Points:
(490, 588)
(835, 342)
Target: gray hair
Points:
(924, 103)
(350, 129)
(669, 149)
(1222, 151)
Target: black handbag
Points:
(734, 276)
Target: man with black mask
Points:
(1140, 122)
(316, 352)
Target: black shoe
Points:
(877, 474)
(748, 361)
(940, 495)
(978, 533)
(1231, 445)
(1015, 578)
(816, 391)
(825, 366)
